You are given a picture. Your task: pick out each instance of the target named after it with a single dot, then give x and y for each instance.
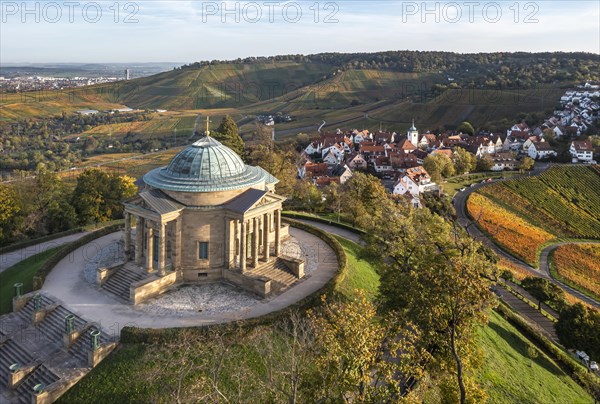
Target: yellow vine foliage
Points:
(579, 263)
(507, 229)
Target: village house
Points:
(582, 151)
(356, 161)
(541, 150)
(504, 161)
(371, 152)
(415, 182)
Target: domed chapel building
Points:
(207, 216)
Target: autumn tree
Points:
(526, 164)
(287, 352)
(307, 196)
(279, 163)
(228, 134)
(484, 163)
(438, 165)
(333, 198)
(364, 199)
(10, 209)
(578, 327)
(464, 161)
(466, 127)
(98, 195)
(363, 358)
(543, 290)
(433, 277)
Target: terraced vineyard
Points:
(579, 264)
(522, 214)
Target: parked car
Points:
(583, 357)
(593, 365)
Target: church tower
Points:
(413, 135)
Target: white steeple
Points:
(413, 134)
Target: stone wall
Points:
(259, 285)
(152, 286)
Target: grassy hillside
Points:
(523, 214)
(510, 376)
(215, 86)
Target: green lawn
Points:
(509, 375)
(360, 275)
(21, 272)
(452, 186)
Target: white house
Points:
(582, 151)
(416, 181)
(313, 148)
(336, 148)
(504, 161)
(332, 158)
(541, 150)
(356, 161)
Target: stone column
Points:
(227, 245)
(161, 248)
(139, 240)
(127, 246)
(243, 247)
(176, 245)
(266, 229)
(277, 232)
(255, 241)
(150, 237)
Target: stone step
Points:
(41, 375)
(279, 274)
(82, 345)
(53, 325)
(26, 313)
(11, 352)
(120, 282)
(116, 288)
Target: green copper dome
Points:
(206, 166)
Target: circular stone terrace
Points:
(73, 282)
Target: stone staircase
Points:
(40, 350)
(42, 375)
(279, 274)
(83, 344)
(26, 313)
(120, 282)
(53, 325)
(11, 352)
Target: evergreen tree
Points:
(228, 134)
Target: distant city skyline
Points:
(189, 31)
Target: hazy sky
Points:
(187, 31)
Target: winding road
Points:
(460, 202)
